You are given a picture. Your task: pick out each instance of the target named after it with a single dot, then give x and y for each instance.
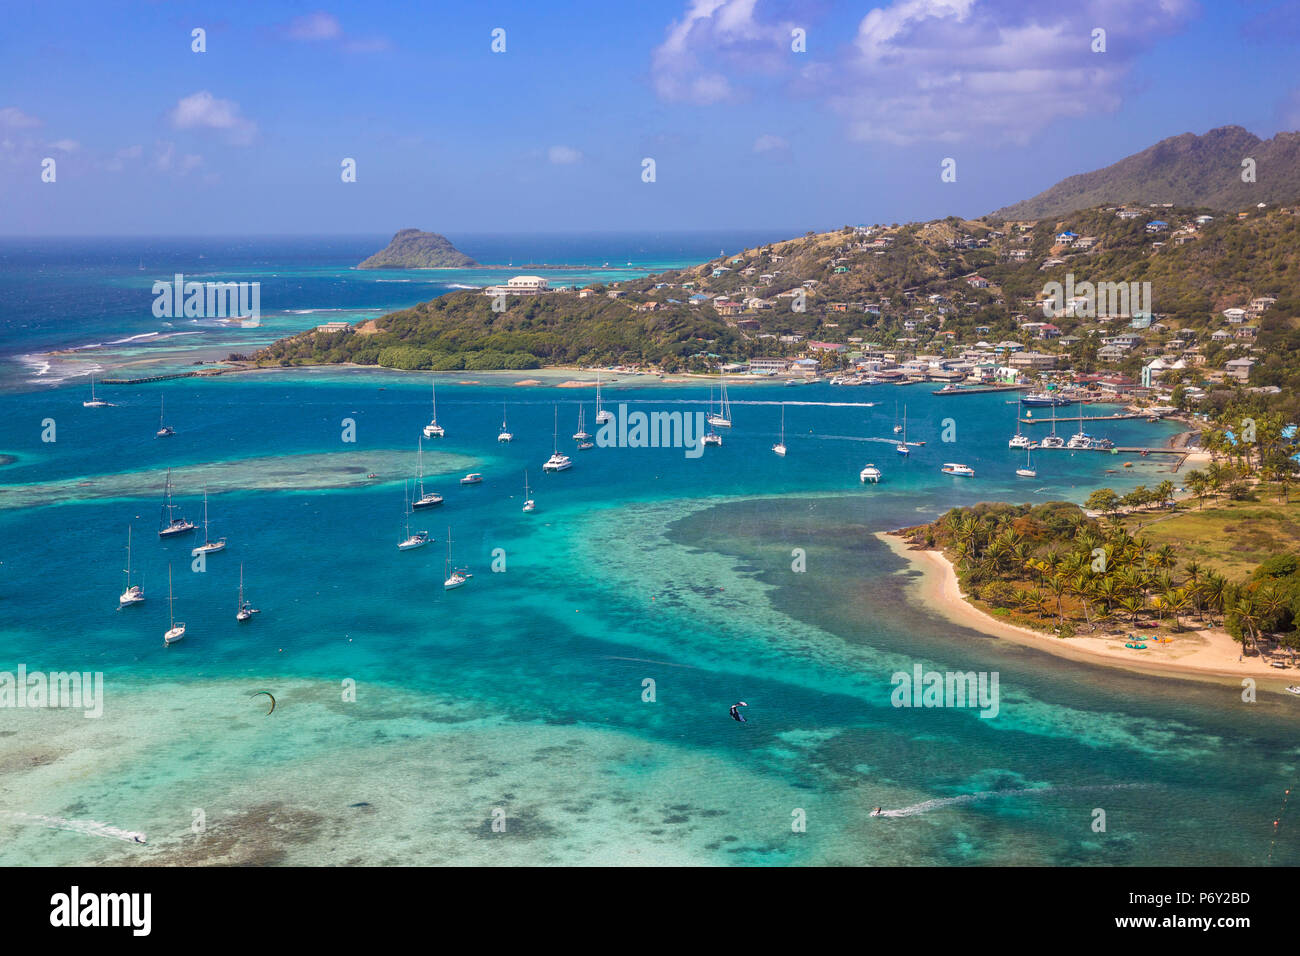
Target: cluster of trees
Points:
(1054, 562)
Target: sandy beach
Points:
(1200, 655)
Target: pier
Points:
(165, 378)
(978, 389)
(1121, 416)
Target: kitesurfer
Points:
(735, 711)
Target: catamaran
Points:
(95, 402)
(557, 462)
(505, 432)
(1028, 471)
(473, 478)
(177, 629)
(433, 429)
(901, 447)
(133, 594)
(164, 430)
(870, 473)
(723, 417)
(779, 447)
(426, 499)
(581, 433)
(243, 610)
(412, 541)
(208, 546)
(1053, 440)
(963, 471)
(1019, 440)
(170, 524)
(456, 577)
(529, 503)
(603, 415)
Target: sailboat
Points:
(1053, 440)
(557, 462)
(208, 546)
(133, 594)
(711, 437)
(723, 417)
(901, 447)
(1028, 471)
(164, 430)
(870, 473)
(456, 577)
(1019, 440)
(529, 503)
(779, 447)
(244, 611)
(426, 499)
(433, 429)
(95, 402)
(897, 427)
(172, 525)
(505, 432)
(177, 629)
(581, 434)
(412, 541)
(603, 415)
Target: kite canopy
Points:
(268, 694)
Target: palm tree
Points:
(1134, 604)
(1214, 591)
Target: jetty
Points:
(165, 378)
(1121, 416)
(977, 389)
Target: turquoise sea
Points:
(522, 696)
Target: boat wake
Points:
(940, 803)
(88, 827)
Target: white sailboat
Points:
(581, 434)
(557, 462)
(723, 417)
(177, 629)
(1028, 471)
(711, 437)
(427, 499)
(505, 432)
(1053, 440)
(529, 503)
(243, 610)
(164, 430)
(779, 447)
(412, 541)
(134, 594)
(897, 427)
(1019, 440)
(170, 524)
(456, 577)
(433, 429)
(95, 402)
(603, 415)
(901, 447)
(208, 546)
(869, 474)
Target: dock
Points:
(978, 389)
(165, 378)
(1121, 416)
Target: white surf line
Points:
(88, 827)
(939, 802)
(642, 660)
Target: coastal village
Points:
(787, 304)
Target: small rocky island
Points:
(413, 249)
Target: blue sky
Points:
(149, 137)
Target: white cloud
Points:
(66, 145)
(11, 117)
(315, 26)
(563, 155)
(167, 161)
(712, 37)
(770, 142)
(202, 110)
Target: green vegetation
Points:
(1051, 567)
(413, 249)
(460, 331)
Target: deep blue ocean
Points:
(578, 686)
